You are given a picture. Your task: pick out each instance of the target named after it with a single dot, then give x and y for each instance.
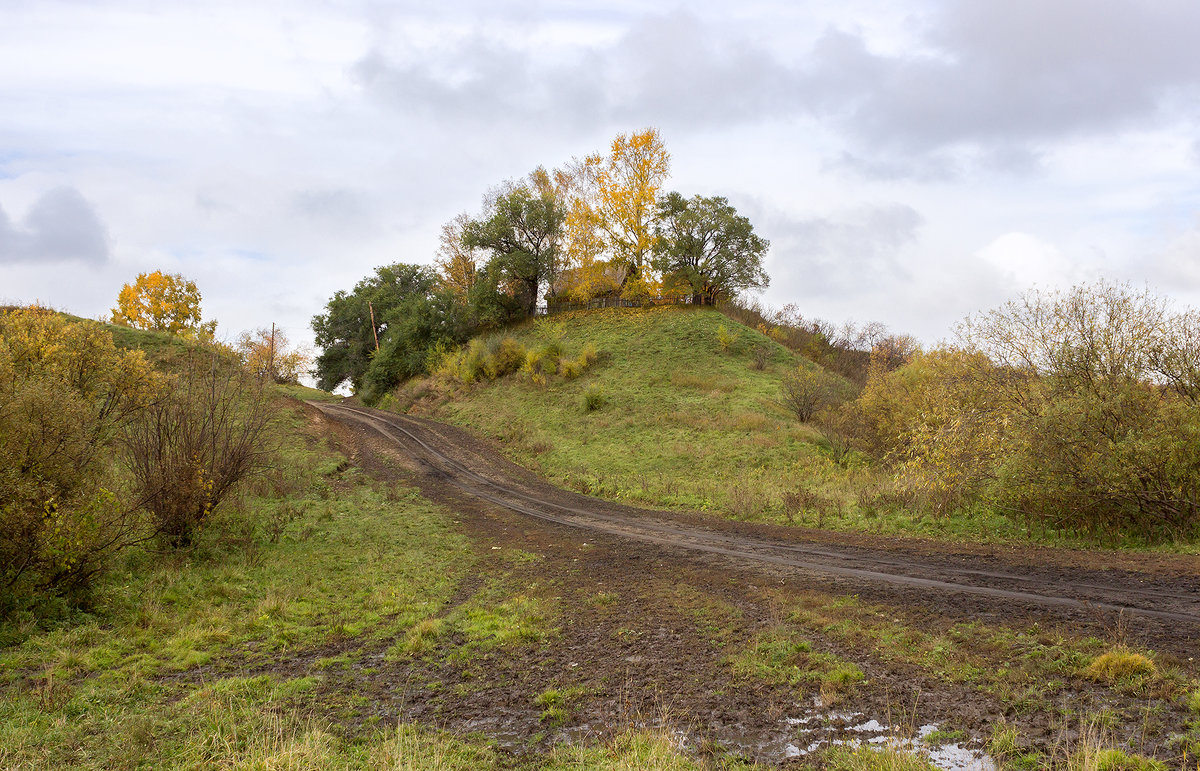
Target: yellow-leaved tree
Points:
(162, 302)
(623, 205)
(457, 264)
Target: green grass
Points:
(874, 759)
(664, 417)
(667, 417)
(72, 689)
(781, 657)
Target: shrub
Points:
(725, 338)
(64, 392)
(570, 368)
(760, 354)
(190, 448)
(808, 389)
(473, 361)
(506, 356)
(593, 398)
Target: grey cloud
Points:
(1032, 70)
(61, 226)
(334, 204)
(669, 70)
(993, 82)
(850, 252)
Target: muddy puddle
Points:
(821, 728)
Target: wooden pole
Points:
(374, 332)
(271, 357)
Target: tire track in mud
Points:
(469, 467)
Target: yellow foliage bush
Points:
(65, 391)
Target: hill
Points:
(682, 421)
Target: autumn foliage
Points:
(162, 302)
(1077, 410)
(65, 391)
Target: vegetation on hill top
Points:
(596, 230)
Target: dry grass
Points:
(1120, 664)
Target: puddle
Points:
(819, 729)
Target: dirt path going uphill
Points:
(1153, 599)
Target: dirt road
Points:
(1091, 589)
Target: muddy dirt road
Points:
(1082, 589)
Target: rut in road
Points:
(448, 455)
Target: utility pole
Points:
(271, 357)
(374, 332)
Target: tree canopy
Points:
(523, 231)
(708, 247)
(162, 302)
(348, 331)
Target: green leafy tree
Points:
(523, 232)
(419, 324)
(705, 244)
(353, 322)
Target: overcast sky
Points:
(910, 162)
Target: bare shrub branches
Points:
(190, 448)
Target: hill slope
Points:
(682, 422)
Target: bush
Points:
(808, 389)
(725, 338)
(190, 448)
(64, 392)
(760, 354)
(506, 356)
(593, 398)
(1100, 387)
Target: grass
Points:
(682, 436)
(675, 413)
(1119, 665)
(864, 758)
(780, 657)
(72, 688)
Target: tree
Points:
(164, 303)
(705, 244)
(523, 232)
(418, 325)
(353, 323)
(266, 353)
(458, 264)
(623, 208)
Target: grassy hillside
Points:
(681, 422)
(685, 422)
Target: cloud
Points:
(339, 208)
(853, 251)
(1006, 70)
(672, 70)
(62, 226)
(989, 84)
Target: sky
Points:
(910, 162)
